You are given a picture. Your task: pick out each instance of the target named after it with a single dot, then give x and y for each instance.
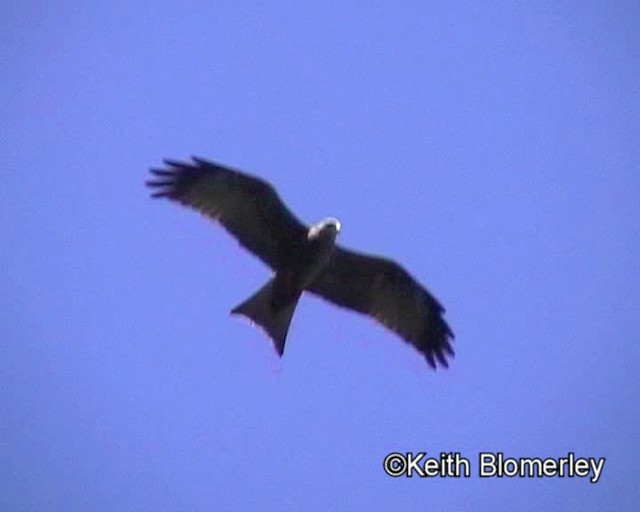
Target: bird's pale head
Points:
(326, 227)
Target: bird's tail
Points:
(272, 315)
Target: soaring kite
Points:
(304, 259)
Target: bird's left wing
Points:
(248, 207)
(386, 291)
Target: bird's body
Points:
(272, 307)
(305, 259)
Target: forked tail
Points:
(261, 309)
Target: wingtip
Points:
(442, 359)
(449, 332)
(430, 360)
(161, 172)
(199, 160)
(156, 184)
(175, 163)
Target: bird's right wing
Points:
(248, 207)
(386, 291)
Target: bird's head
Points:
(327, 227)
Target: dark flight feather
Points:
(246, 206)
(383, 289)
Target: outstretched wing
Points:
(383, 289)
(248, 207)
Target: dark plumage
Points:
(305, 259)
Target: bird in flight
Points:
(304, 259)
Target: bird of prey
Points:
(304, 259)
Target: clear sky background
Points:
(492, 149)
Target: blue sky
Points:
(492, 149)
